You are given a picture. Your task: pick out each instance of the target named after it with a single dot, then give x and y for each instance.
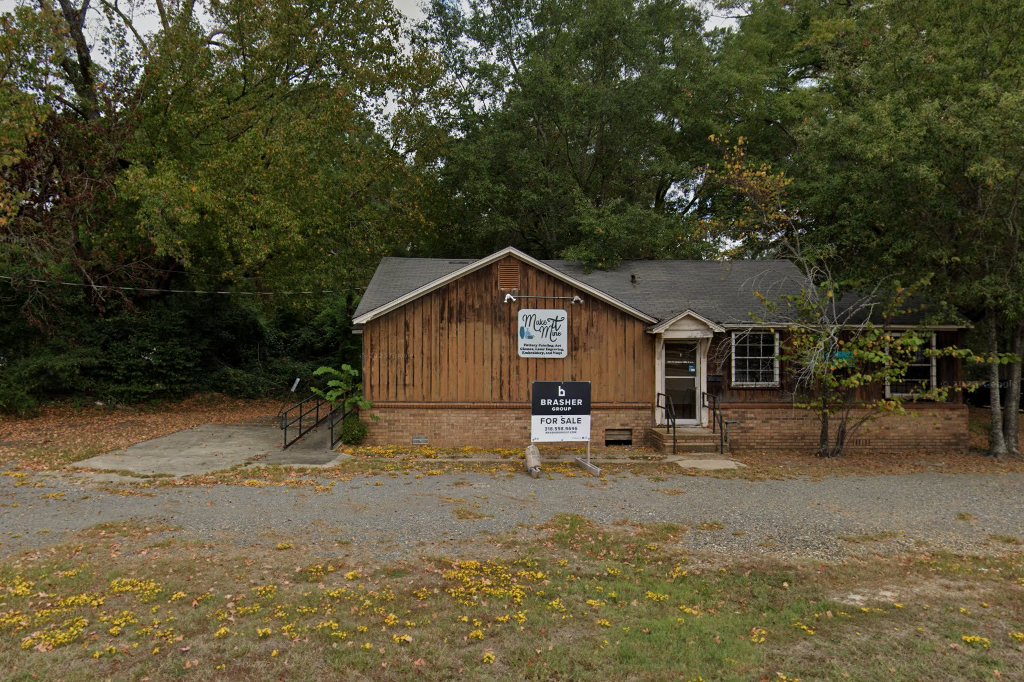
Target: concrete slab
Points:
(207, 448)
(709, 464)
(310, 451)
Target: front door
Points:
(681, 374)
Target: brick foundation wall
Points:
(933, 428)
(498, 426)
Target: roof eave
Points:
(768, 325)
(665, 324)
(485, 261)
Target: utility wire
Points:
(196, 273)
(176, 291)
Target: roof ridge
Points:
(654, 289)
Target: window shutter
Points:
(508, 275)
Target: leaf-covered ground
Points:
(568, 600)
(580, 601)
(63, 433)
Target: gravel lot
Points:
(404, 517)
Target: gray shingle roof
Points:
(395, 277)
(721, 291)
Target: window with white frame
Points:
(755, 358)
(921, 375)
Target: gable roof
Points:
(720, 293)
(665, 324)
(396, 277)
(455, 270)
(723, 292)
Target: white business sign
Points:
(543, 333)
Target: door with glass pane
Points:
(681, 379)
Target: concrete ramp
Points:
(311, 450)
(213, 447)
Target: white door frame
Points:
(702, 339)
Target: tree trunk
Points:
(823, 449)
(841, 435)
(80, 73)
(1011, 415)
(996, 442)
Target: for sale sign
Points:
(561, 411)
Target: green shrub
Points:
(353, 430)
(168, 347)
(15, 400)
(240, 383)
(272, 378)
(46, 375)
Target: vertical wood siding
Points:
(458, 344)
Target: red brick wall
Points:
(932, 428)
(455, 425)
(938, 428)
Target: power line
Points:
(196, 273)
(176, 291)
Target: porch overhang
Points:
(697, 326)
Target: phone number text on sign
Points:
(561, 412)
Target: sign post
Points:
(561, 414)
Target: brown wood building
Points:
(443, 366)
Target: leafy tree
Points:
(272, 157)
(838, 353)
(841, 360)
(238, 146)
(906, 151)
(576, 128)
(240, 139)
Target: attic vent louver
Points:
(508, 275)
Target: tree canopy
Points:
(259, 148)
(575, 128)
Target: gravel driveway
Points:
(404, 517)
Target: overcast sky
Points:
(411, 8)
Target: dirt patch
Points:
(780, 465)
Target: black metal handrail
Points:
(713, 403)
(664, 401)
(297, 415)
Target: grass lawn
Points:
(568, 600)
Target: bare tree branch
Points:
(162, 10)
(128, 23)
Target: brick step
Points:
(689, 438)
(689, 435)
(699, 442)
